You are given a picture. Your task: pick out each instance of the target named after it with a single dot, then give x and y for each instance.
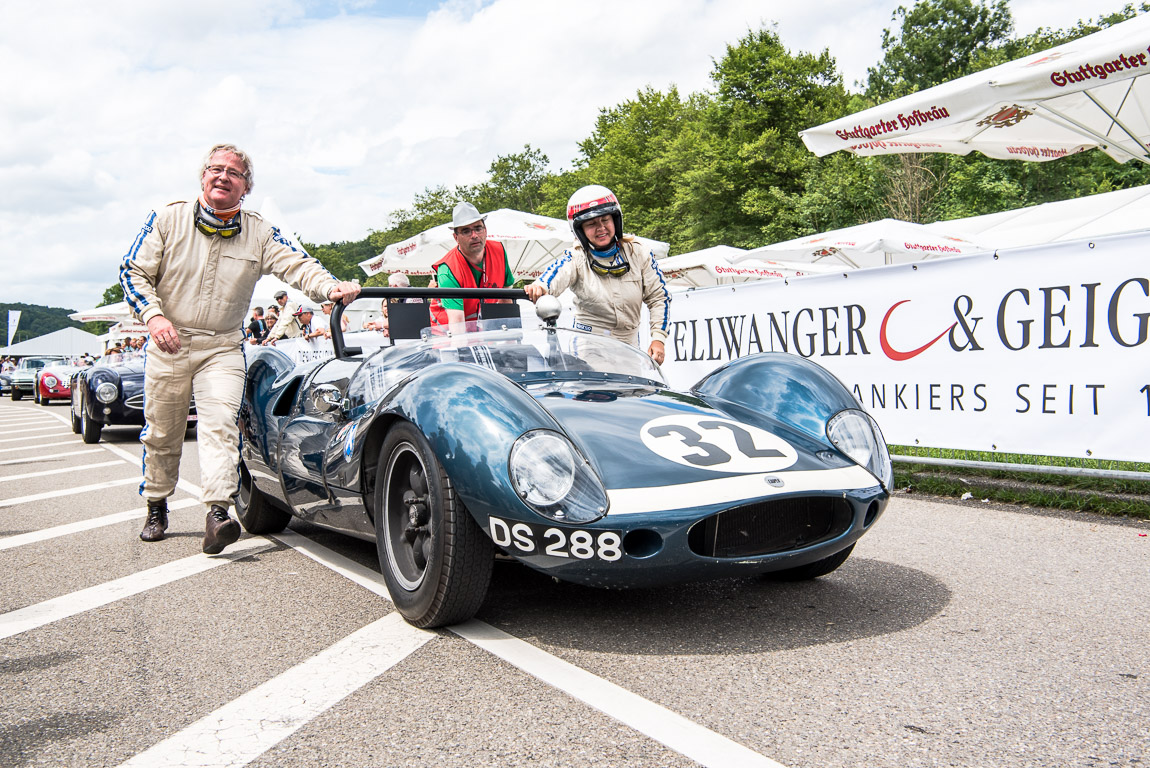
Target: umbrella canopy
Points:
(886, 241)
(716, 266)
(111, 313)
(1086, 93)
(532, 242)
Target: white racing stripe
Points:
(67, 492)
(34, 459)
(242, 730)
(60, 471)
(659, 723)
(24, 619)
(727, 490)
(21, 539)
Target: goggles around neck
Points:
(211, 228)
(613, 269)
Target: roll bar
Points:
(342, 351)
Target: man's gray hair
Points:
(398, 280)
(249, 171)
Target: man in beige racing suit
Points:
(189, 276)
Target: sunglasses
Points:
(208, 228)
(617, 270)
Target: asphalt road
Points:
(959, 635)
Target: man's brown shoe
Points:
(157, 521)
(220, 530)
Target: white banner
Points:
(1037, 350)
(13, 323)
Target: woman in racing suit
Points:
(611, 275)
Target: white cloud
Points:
(347, 112)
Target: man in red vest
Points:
(474, 262)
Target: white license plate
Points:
(553, 541)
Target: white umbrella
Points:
(886, 241)
(532, 242)
(1086, 93)
(111, 313)
(717, 266)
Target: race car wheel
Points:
(255, 511)
(75, 418)
(435, 559)
(812, 570)
(16, 394)
(89, 428)
(36, 396)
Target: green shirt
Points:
(445, 279)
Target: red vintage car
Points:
(53, 381)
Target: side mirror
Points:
(327, 398)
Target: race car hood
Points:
(644, 438)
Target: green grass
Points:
(1116, 497)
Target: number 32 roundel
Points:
(717, 444)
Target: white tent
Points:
(532, 243)
(110, 313)
(1109, 213)
(716, 266)
(1083, 94)
(886, 241)
(66, 341)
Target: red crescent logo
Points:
(893, 353)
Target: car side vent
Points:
(287, 397)
(768, 527)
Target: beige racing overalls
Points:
(203, 284)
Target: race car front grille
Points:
(768, 527)
(135, 401)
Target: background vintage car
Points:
(111, 394)
(24, 377)
(564, 450)
(54, 381)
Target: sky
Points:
(348, 107)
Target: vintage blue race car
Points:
(111, 394)
(560, 449)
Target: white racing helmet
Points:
(591, 202)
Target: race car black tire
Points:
(36, 396)
(435, 559)
(255, 511)
(17, 394)
(90, 429)
(43, 401)
(72, 413)
(812, 570)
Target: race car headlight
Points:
(857, 435)
(49, 380)
(107, 392)
(553, 479)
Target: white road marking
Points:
(30, 429)
(659, 723)
(67, 492)
(35, 447)
(25, 439)
(21, 539)
(33, 616)
(131, 458)
(60, 471)
(242, 730)
(34, 459)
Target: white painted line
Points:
(135, 460)
(243, 729)
(24, 439)
(34, 459)
(45, 534)
(36, 447)
(67, 492)
(30, 429)
(24, 619)
(659, 723)
(27, 422)
(61, 471)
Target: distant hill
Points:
(35, 320)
